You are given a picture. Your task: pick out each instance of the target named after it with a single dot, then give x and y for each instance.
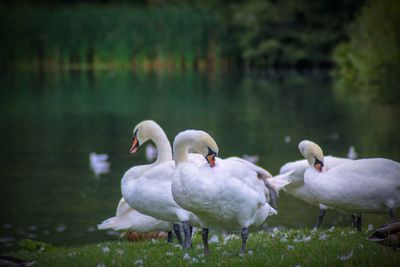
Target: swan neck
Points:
(181, 150)
(164, 151)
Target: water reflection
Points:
(51, 123)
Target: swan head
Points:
(142, 133)
(312, 153)
(199, 141)
(205, 145)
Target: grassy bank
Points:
(333, 247)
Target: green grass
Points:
(107, 36)
(279, 248)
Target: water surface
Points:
(51, 122)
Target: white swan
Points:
(150, 192)
(359, 186)
(224, 194)
(297, 188)
(128, 219)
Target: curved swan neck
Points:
(181, 149)
(199, 140)
(164, 151)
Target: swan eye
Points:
(317, 161)
(135, 133)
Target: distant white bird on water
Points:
(99, 164)
(352, 154)
(151, 152)
(251, 158)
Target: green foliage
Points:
(292, 32)
(369, 64)
(334, 247)
(107, 34)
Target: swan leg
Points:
(204, 235)
(169, 238)
(353, 220)
(186, 231)
(177, 230)
(392, 214)
(321, 216)
(245, 235)
(357, 223)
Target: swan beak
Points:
(318, 167)
(211, 160)
(135, 146)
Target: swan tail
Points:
(123, 207)
(110, 224)
(280, 181)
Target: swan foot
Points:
(177, 230)
(186, 231)
(245, 235)
(204, 235)
(321, 216)
(169, 237)
(392, 214)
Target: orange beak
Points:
(318, 167)
(135, 146)
(211, 160)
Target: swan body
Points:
(297, 187)
(151, 194)
(128, 219)
(359, 186)
(224, 194)
(226, 197)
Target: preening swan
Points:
(126, 217)
(224, 194)
(358, 186)
(297, 187)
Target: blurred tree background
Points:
(358, 37)
(369, 63)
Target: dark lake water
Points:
(51, 122)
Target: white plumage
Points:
(228, 196)
(359, 186)
(128, 219)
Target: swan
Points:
(127, 218)
(358, 186)
(297, 187)
(224, 194)
(150, 192)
